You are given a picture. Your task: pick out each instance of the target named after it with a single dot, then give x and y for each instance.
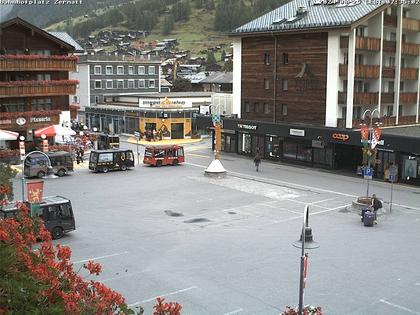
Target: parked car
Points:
(56, 211)
(36, 164)
(107, 160)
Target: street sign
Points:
(137, 134)
(392, 178)
(367, 173)
(393, 170)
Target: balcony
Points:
(390, 46)
(37, 63)
(387, 98)
(385, 121)
(410, 49)
(411, 24)
(409, 73)
(408, 97)
(388, 72)
(390, 20)
(360, 98)
(361, 71)
(363, 43)
(37, 88)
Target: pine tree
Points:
(168, 24)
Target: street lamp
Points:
(306, 242)
(23, 170)
(370, 139)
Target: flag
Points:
(364, 133)
(376, 135)
(35, 190)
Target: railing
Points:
(388, 72)
(409, 73)
(385, 121)
(362, 98)
(411, 24)
(408, 97)
(38, 63)
(344, 42)
(361, 71)
(37, 88)
(410, 49)
(387, 98)
(390, 20)
(390, 46)
(368, 43)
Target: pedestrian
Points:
(257, 161)
(376, 204)
(82, 153)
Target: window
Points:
(390, 110)
(266, 84)
(360, 31)
(247, 109)
(98, 84)
(401, 86)
(402, 63)
(96, 99)
(285, 58)
(346, 58)
(359, 59)
(152, 70)
(120, 69)
(109, 70)
(393, 37)
(266, 108)
(131, 84)
(142, 84)
(141, 70)
(256, 107)
(120, 84)
(43, 77)
(76, 99)
(284, 109)
(105, 157)
(151, 84)
(109, 84)
(131, 70)
(266, 59)
(345, 82)
(404, 38)
(391, 86)
(98, 70)
(284, 84)
(357, 112)
(400, 110)
(391, 61)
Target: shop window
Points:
(256, 107)
(289, 150)
(285, 58)
(304, 153)
(284, 85)
(266, 84)
(267, 59)
(247, 109)
(410, 167)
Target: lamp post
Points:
(22, 157)
(370, 141)
(23, 168)
(306, 242)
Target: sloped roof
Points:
(65, 37)
(318, 15)
(219, 78)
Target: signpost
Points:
(367, 174)
(137, 135)
(393, 170)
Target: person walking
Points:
(257, 161)
(376, 204)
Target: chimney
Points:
(301, 10)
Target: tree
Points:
(210, 60)
(168, 24)
(223, 55)
(181, 85)
(6, 175)
(228, 66)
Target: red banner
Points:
(376, 135)
(35, 190)
(364, 133)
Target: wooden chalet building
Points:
(34, 77)
(305, 73)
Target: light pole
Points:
(23, 169)
(370, 141)
(306, 242)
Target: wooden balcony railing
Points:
(387, 98)
(37, 63)
(385, 121)
(411, 24)
(359, 98)
(408, 97)
(388, 72)
(390, 20)
(361, 71)
(409, 73)
(37, 88)
(344, 42)
(368, 43)
(410, 49)
(390, 46)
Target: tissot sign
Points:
(247, 127)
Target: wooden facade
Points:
(34, 72)
(285, 83)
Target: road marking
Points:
(100, 257)
(280, 208)
(123, 276)
(399, 307)
(163, 295)
(319, 201)
(234, 312)
(199, 155)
